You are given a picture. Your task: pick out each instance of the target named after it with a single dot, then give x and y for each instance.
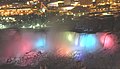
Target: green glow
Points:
(69, 36)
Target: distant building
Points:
(85, 2)
(33, 2)
(75, 0)
(45, 0)
(109, 1)
(48, 1)
(60, 0)
(67, 2)
(105, 1)
(94, 2)
(117, 1)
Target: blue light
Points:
(83, 39)
(40, 43)
(78, 56)
(88, 42)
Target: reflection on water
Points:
(16, 43)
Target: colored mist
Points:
(61, 43)
(88, 42)
(108, 40)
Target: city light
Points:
(2, 26)
(45, 34)
(9, 12)
(8, 19)
(55, 3)
(93, 0)
(107, 14)
(67, 8)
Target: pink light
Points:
(107, 40)
(26, 46)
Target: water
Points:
(62, 43)
(24, 47)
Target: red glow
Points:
(107, 40)
(26, 46)
(63, 50)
